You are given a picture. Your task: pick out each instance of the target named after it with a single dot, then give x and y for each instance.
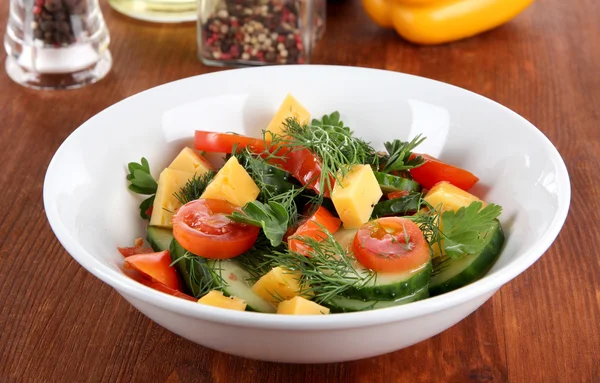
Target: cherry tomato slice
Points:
(391, 244)
(154, 266)
(434, 171)
(224, 142)
(202, 228)
(311, 228)
(133, 250)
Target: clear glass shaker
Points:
(56, 44)
(259, 32)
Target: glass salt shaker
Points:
(259, 32)
(56, 44)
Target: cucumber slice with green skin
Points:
(159, 238)
(391, 183)
(384, 286)
(236, 281)
(406, 205)
(392, 286)
(193, 270)
(453, 273)
(346, 305)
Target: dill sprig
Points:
(327, 273)
(194, 187)
(334, 144)
(200, 277)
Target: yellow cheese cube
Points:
(450, 197)
(278, 285)
(301, 306)
(165, 204)
(289, 108)
(233, 184)
(217, 299)
(355, 197)
(190, 161)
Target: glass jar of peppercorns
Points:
(259, 32)
(56, 44)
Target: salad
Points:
(309, 220)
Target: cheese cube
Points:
(233, 184)
(165, 204)
(289, 108)
(190, 161)
(450, 197)
(217, 299)
(278, 285)
(355, 197)
(301, 306)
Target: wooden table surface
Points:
(59, 323)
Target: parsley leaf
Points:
(463, 228)
(142, 182)
(272, 217)
(399, 155)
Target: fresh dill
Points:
(194, 187)
(142, 182)
(327, 273)
(198, 276)
(334, 145)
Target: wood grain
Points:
(59, 323)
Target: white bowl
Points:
(92, 212)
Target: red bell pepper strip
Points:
(154, 266)
(313, 228)
(434, 171)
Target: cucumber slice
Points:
(398, 206)
(159, 238)
(384, 286)
(391, 286)
(346, 305)
(236, 281)
(391, 183)
(453, 273)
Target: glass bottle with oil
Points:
(162, 11)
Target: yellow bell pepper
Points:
(441, 21)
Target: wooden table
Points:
(59, 323)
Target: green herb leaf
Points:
(194, 187)
(462, 228)
(145, 205)
(141, 181)
(399, 155)
(272, 217)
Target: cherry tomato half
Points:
(391, 244)
(434, 171)
(202, 228)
